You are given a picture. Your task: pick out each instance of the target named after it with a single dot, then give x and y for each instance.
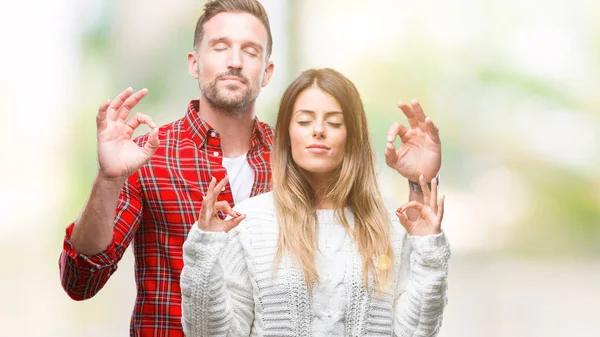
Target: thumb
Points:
(407, 224)
(232, 223)
(391, 156)
(152, 143)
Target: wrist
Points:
(110, 183)
(416, 187)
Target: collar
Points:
(200, 130)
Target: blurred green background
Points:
(513, 86)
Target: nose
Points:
(234, 60)
(318, 130)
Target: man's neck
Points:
(235, 129)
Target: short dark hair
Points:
(214, 7)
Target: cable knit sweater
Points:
(229, 289)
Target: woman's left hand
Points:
(421, 148)
(430, 213)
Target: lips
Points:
(318, 146)
(233, 78)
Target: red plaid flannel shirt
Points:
(157, 207)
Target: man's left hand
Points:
(421, 150)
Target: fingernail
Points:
(399, 210)
(238, 213)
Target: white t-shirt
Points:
(241, 177)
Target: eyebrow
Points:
(312, 112)
(227, 40)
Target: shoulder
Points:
(266, 128)
(260, 214)
(260, 203)
(266, 131)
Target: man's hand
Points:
(421, 149)
(118, 155)
(208, 220)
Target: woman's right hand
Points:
(118, 155)
(208, 220)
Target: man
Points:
(150, 190)
(156, 182)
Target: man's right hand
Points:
(118, 155)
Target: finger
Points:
(115, 105)
(426, 191)
(232, 223)
(152, 143)
(224, 207)
(391, 156)
(206, 213)
(396, 129)
(432, 130)
(433, 201)
(406, 223)
(208, 206)
(440, 214)
(130, 103)
(138, 119)
(233, 213)
(219, 188)
(101, 116)
(409, 113)
(418, 113)
(208, 196)
(413, 205)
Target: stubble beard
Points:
(231, 103)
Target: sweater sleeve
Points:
(421, 291)
(216, 292)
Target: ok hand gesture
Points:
(421, 149)
(430, 212)
(118, 155)
(208, 220)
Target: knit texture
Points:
(229, 287)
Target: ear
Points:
(268, 73)
(193, 64)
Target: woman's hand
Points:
(209, 221)
(430, 213)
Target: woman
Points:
(321, 254)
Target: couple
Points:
(321, 254)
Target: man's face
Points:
(230, 63)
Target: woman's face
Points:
(317, 133)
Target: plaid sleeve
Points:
(83, 276)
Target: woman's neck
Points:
(318, 181)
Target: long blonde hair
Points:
(353, 184)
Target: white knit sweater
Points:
(228, 287)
